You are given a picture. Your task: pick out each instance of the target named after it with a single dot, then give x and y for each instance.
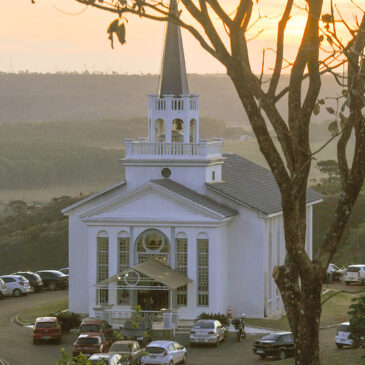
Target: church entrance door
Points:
(153, 300)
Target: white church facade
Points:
(190, 228)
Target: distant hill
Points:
(66, 97)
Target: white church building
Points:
(190, 228)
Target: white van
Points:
(342, 335)
(355, 274)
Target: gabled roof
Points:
(173, 78)
(252, 185)
(197, 198)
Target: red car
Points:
(91, 343)
(45, 329)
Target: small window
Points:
(213, 175)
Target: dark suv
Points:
(35, 281)
(139, 330)
(280, 345)
(53, 279)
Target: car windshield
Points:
(353, 269)
(155, 350)
(123, 347)
(204, 325)
(343, 328)
(87, 341)
(271, 337)
(89, 328)
(45, 324)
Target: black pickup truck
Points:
(280, 345)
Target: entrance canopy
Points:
(155, 270)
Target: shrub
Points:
(222, 318)
(68, 320)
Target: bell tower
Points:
(173, 148)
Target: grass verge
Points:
(31, 314)
(333, 311)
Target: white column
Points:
(113, 264)
(92, 270)
(186, 130)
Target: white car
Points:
(16, 285)
(164, 353)
(3, 290)
(207, 331)
(355, 274)
(342, 335)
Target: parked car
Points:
(334, 273)
(45, 329)
(207, 331)
(139, 330)
(280, 345)
(98, 326)
(343, 337)
(35, 281)
(164, 352)
(107, 359)
(65, 270)
(3, 290)
(53, 279)
(355, 274)
(91, 343)
(130, 350)
(16, 285)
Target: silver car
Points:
(164, 353)
(207, 331)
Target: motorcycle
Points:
(239, 326)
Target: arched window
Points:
(160, 130)
(203, 269)
(152, 244)
(102, 270)
(193, 131)
(123, 244)
(177, 131)
(182, 266)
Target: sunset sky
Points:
(43, 38)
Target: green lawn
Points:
(31, 314)
(333, 311)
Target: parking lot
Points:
(16, 342)
(17, 348)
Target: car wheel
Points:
(282, 355)
(52, 286)
(347, 282)
(339, 346)
(31, 289)
(17, 293)
(184, 359)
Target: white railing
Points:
(166, 319)
(144, 149)
(168, 102)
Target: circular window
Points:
(166, 172)
(131, 278)
(153, 241)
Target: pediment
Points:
(150, 204)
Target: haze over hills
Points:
(50, 97)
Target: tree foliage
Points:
(357, 319)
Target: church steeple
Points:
(173, 78)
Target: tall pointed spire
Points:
(173, 78)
